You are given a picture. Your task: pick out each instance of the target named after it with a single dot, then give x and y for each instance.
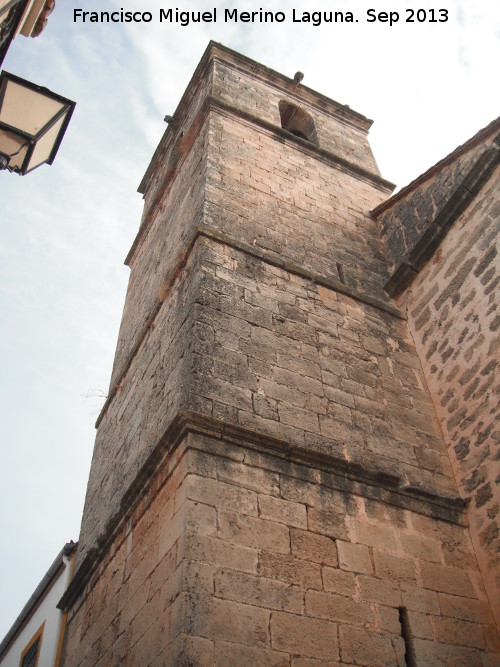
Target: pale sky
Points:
(66, 229)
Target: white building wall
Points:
(48, 612)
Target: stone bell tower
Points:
(269, 484)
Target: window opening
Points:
(30, 655)
(297, 121)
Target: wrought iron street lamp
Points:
(33, 121)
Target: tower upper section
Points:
(261, 158)
(230, 79)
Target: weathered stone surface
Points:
(228, 654)
(364, 647)
(300, 635)
(337, 608)
(458, 343)
(270, 482)
(354, 557)
(316, 548)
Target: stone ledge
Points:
(306, 146)
(338, 474)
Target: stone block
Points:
(339, 431)
(254, 532)
(466, 609)
(217, 619)
(214, 551)
(339, 581)
(228, 654)
(290, 570)
(198, 461)
(388, 617)
(382, 591)
(295, 416)
(381, 536)
(201, 518)
(338, 608)
(354, 557)
(303, 636)
(315, 489)
(283, 511)
(327, 522)
(420, 624)
(196, 577)
(394, 568)
(313, 547)
(170, 530)
(364, 647)
(310, 662)
(421, 547)
(457, 632)
(221, 495)
(258, 591)
(446, 579)
(441, 655)
(418, 599)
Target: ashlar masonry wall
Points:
(236, 556)
(210, 178)
(278, 354)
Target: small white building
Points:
(35, 639)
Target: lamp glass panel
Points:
(26, 109)
(45, 144)
(15, 146)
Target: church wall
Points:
(175, 212)
(150, 395)
(129, 608)
(453, 307)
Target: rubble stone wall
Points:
(453, 309)
(407, 223)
